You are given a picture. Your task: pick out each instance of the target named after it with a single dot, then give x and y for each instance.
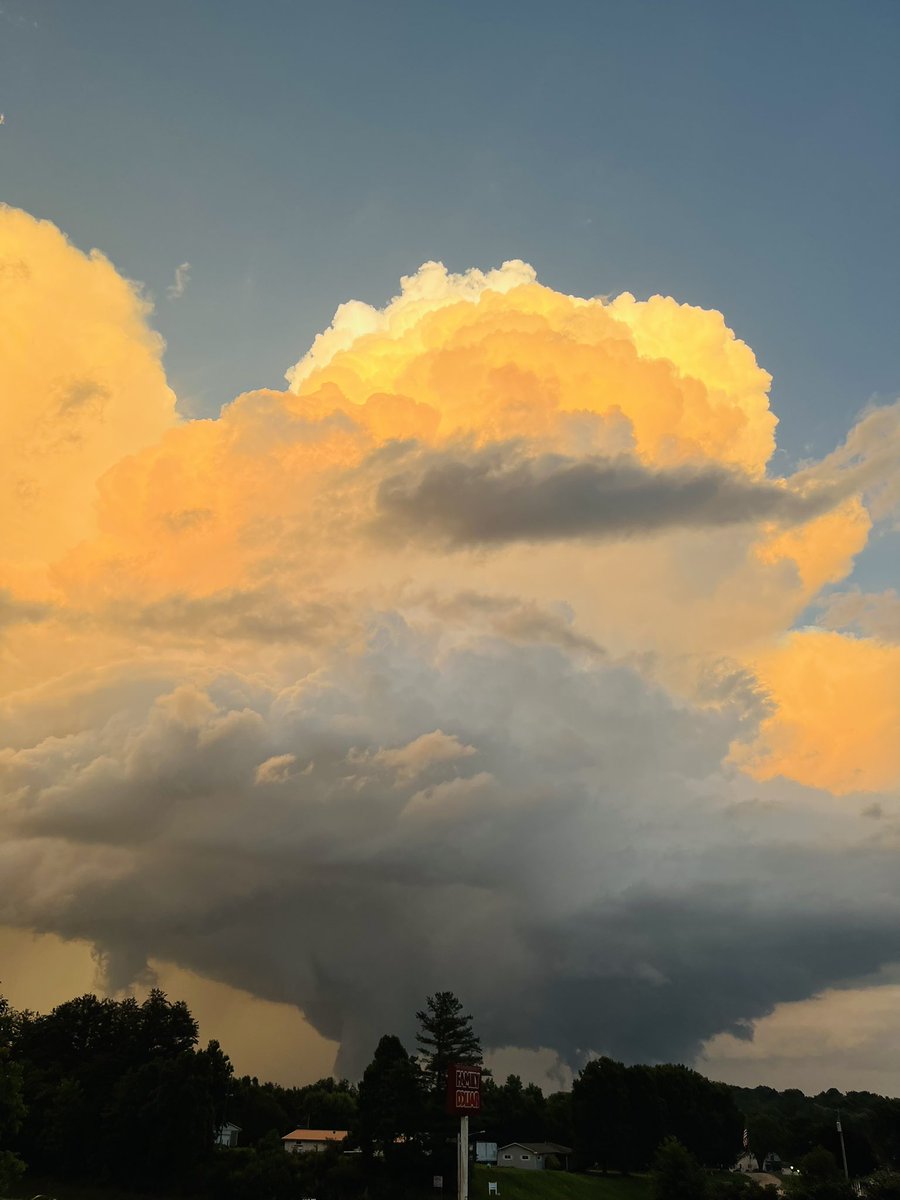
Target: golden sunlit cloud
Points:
(496, 553)
(82, 384)
(836, 712)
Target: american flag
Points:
(746, 1139)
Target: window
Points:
(507, 1156)
(525, 1157)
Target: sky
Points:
(450, 488)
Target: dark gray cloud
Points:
(256, 615)
(583, 870)
(481, 496)
(15, 612)
(509, 617)
(234, 614)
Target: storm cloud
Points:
(559, 843)
(501, 494)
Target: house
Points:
(308, 1141)
(532, 1156)
(747, 1162)
(227, 1134)
(485, 1152)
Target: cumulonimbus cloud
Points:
(370, 687)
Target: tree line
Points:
(119, 1092)
(791, 1124)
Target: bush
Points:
(676, 1174)
(735, 1186)
(819, 1178)
(11, 1171)
(883, 1185)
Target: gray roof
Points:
(540, 1147)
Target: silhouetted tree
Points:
(258, 1109)
(820, 1178)
(12, 1103)
(445, 1036)
(701, 1114)
(617, 1115)
(558, 1119)
(390, 1097)
(513, 1112)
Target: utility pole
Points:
(843, 1147)
(463, 1192)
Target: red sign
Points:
(463, 1088)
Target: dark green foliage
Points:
(263, 1108)
(116, 1091)
(732, 1186)
(445, 1036)
(327, 1104)
(259, 1109)
(618, 1115)
(160, 1123)
(883, 1185)
(676, 1173)
(621, 1115)
(820, 1178)
(701, 1114)
(390, 1098)
(792, 1124)
(818, 1164)
(559, 1119)
(514, 1112)
(12, 1101)
(267, 1173)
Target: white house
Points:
(532, 1156)
(485, 1152)
(227, 1134)
(747, 1162)
(308, 1141)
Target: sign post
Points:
(463, 1097)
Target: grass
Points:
(78, 1191)
(514, 1184)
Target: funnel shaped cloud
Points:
(466, 662)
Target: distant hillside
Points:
(792, 1123)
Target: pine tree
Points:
(446, 1037)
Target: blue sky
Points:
(737, 156)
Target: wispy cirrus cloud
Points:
(182, 278)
